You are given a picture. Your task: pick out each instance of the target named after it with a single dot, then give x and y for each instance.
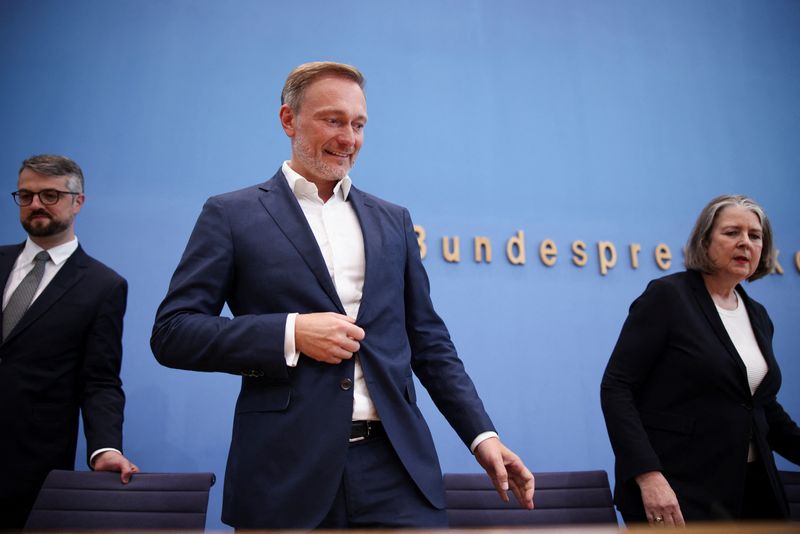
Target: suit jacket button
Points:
(346, 384)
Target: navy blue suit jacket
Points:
(63, 356)
(253, 249)
(676, 399)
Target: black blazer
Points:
(63, 356)
(676, 399)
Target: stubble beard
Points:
(52, 227)
(330, 173)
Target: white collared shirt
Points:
(338, 233)
(24, 264)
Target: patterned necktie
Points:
(23, 295)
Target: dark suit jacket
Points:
(676, 399)
(63, 356)
(253, 249)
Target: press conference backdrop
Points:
(566, 120)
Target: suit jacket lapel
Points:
(282, 206)
(710, 311)
(757, 322)
(69, 274)
(370, 223)
(8, 256)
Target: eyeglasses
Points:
(48, 197)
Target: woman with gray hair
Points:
(689, 393)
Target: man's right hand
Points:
(327, 337)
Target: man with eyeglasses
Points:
(61, 346)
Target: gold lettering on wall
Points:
(451, 253)
(579, 256)
(663, 256)
(778, 267)
(423, 248)
(516, 242)
(635, 248)
(607, 253)
(548, 252)
(483, 249)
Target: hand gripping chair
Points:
(81, 500)
(571, 497)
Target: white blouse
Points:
(737, 324)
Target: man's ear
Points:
(287, 117)
(77, 204)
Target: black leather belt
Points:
(362, 430)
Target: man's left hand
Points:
(506, 471)
(114, 461)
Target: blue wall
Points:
(566, 119)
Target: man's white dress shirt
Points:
(338, 233)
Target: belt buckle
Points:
(365, 436)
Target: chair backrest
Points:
(570, 497)
(80, 500)
(791, 483)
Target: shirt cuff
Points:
(96, 453)
(289, 351)
(483, 436)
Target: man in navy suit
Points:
(332, 315)
(61, 344)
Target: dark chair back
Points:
(570, 497)
(80, 500)
(791, 482)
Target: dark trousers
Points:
(14, 511)
(377, 492)
(760, 502)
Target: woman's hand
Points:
(660, 503)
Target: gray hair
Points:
(54, 165)
(302, 76)
(697, 246)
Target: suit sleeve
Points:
(188, 331)
(103, 401)
(783, 435)
(642, 341)
(434, 358)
